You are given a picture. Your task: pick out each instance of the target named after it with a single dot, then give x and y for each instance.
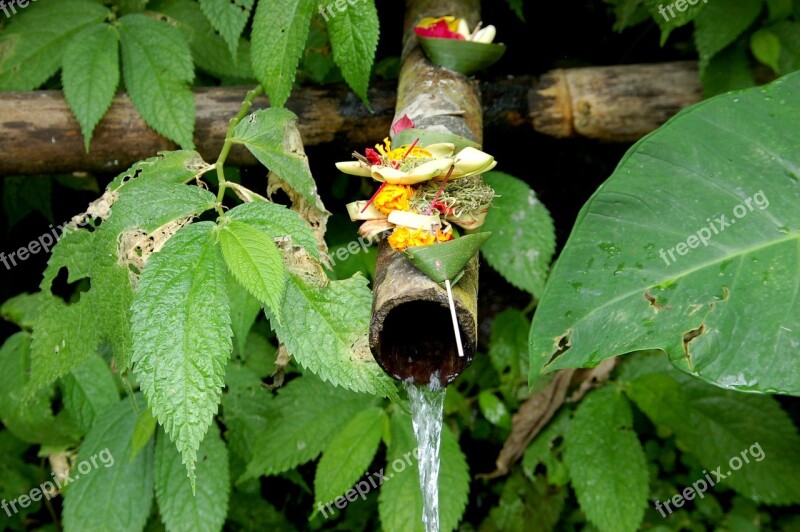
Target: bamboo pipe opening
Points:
(411, 332)
(417, 343)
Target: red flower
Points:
(404, 122)
(373, 157)
(439, 30)
(442, 208)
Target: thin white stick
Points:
(453, 315)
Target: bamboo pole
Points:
(411, 335)
(38, 134)
(617, 103)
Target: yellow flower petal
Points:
(393, 198)
(403, 237)
(452, 22)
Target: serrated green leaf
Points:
(494, 410)
(516, 7)
(606, 462)
(728, 70)
(131, 6)
(25, 194)
(254, 260)
(90, 75)
(179, 506)
(668, 16)
(325, 330)
(616, 289)
(246, 409)
(278, 222)
(21, 310)
(244, 311)
(259, 355)
(789, 35)
(720, 23)
(157, 68)
(446, 260)
(348, 455)
(526, 507)
(523, 236)
(61, 337)
(778, 9)
(89, 390)
(32, 420)
(209, 50)
(717, 425)
(280, 28)
(354, 38)
(116, 494)
(252, 513)
(33, 43)
(143, 432)
(181, 334)
(508, 345)
(308, 413)
(229, 18)
(628, 13)
(317, 61)
(540, 450)
(400, 498)
(766, 47)
(16, 476)
(269, 134)
(180, 166)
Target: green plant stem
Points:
(530, 306)
(226, 146)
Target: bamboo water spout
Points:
(411, 334)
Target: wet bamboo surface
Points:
(411, 333)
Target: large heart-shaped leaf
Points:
(692, 246)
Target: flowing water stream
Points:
(427, 403)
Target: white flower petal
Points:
(355, 209)
(441, 149)
(421, 173)
(354, 168)
(485, 35)
(413, 220)
(463, 29)
(373, 228)
(470, 161)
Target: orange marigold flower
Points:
(443, 237)
(404, 237)
(393, 198)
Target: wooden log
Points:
(38, 133)
(411, 335)
(617, 103)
